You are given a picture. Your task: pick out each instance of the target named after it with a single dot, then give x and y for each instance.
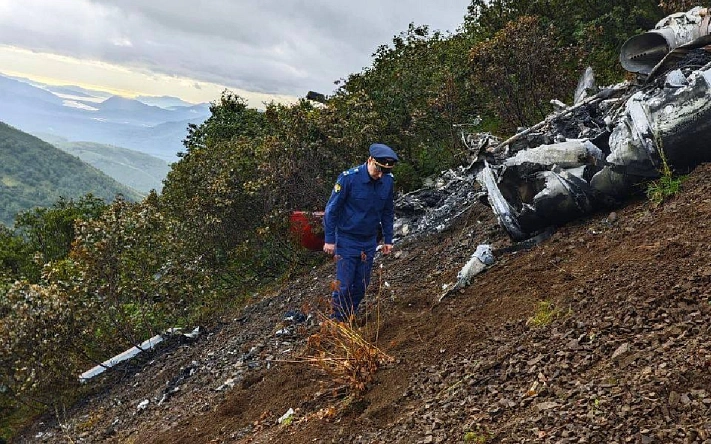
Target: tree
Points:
(15, 258)
(599, 26)
(230, 117)
(520, 69)
(411, 96)
(50, 231)
(42, 338)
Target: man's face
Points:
(377, 170)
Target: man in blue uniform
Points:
(361, 203)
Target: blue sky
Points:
(261, 49)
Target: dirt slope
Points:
(626, 357)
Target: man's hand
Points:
(386, 248)
(329, 248)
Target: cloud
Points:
(267, 46)
(122, 42)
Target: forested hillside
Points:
(135, 169)
(218, 235)
(34, 173)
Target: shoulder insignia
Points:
(337, 188)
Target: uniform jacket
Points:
(358, 206)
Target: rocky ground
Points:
(599, 334)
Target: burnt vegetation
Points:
(82, 280)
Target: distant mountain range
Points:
(152, 125)
(167, 102)
(69, 90)
(34, 173)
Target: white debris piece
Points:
(476, 264)
(193, 334)
(142, 405)
(485, 254)
(286, 416)
(569, 154)
(134, 351)
(482, 257)
(230, 383)
(128, 354)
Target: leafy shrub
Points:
(667, 185)
(132, 260)
(16, 259)
(672, 6)
(545, 313)
(664, 187)
(417, 88)
(520, 69)
(41, 341)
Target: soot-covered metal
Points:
(591, 155)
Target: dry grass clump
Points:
(347, 351)
(340, 349)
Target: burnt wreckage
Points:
(591, 155)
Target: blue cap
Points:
(383, 154)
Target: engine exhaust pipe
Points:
(641, 53)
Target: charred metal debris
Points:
(590, 155)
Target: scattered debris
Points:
(435, 207)
(173, 385)
(136, 350)
(295, 316)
